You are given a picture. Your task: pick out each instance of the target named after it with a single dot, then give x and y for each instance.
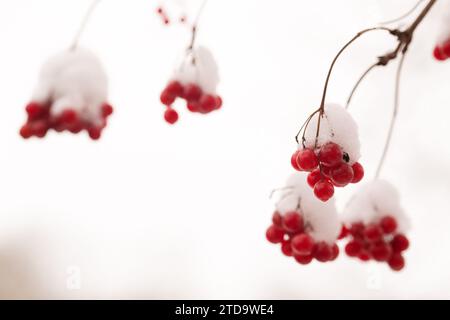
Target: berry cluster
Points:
(442, 51)
(40, 121)
(196, 99)
(328, 167)
(377, 241)
(291, 231)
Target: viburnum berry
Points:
(174, 88)
(167, 98)
(324, 190)
(388, 224)
(334, 252)
(275, 234)
(171, 116)
(342, 175)
(323, 252)
(292, 222)
(381, 251)
(396, 262)
(294, 161)
(399, 243)
(330, 154)
(277, 219)
(192, 92)
(286, 248)
(314, 177)
(208, 103)
(302, 244)
(358, 172)
(344, 233)
(307, 160)
(303, 259)
(364, 255)
(439, 54)
(353, 248)
(373, 233)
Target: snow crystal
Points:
(338, 126)
(374, 201)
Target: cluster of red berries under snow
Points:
(70, 96)
(375, 225)
(195, 82)
(306, 228)
(332, 161)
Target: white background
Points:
(153, 211)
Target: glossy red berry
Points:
(324, 190)
(307, 160)
(95, 133)
(219, 102)
(439, 54)
(314, 177)
(323, 252)
(175, 88)
(193, 106)
(357, 230)
(344, 233)
(330, 154)
(364, 255)
(167, 98)
(207, 103)
(335, 252)
(293, 222)
(388, 224)
(192, 92)
(342, 175)
(286, 248)
(381, 251)
(396, 262)
(353, 248)
(274, 234)
(303, 259)
(399, 243)
(171, 116)
(373, 233)
(68, 116)
(302, 244)
(358, 172)
(107, 110)
(277, 219)
(446, 49)
(294, 161)
(26, 131)
(35, 110)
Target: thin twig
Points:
(394, 115)
(361, 78)
(195, 25)
(404, 16)
(84, 22)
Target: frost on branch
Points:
(305, 227)
(194, 81)
(329, 152)
(376, 225)
(71, 95)
(442, 48)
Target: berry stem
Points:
(404, 16)
(84, 23)
(195, 24)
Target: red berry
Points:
(35, 110)
(342, 174)
(446, 48)
(335, 252)
(193, 106)
(207, 103)
(381, 251)
(307, 160)
(344, 233)
(302, 244)
(330, 154)
(219, 102)
(313, 178)
(293, 222)
(192, 92)
(171, 116)
(323, 252)
(274, 234)
(358, 172)
(39, 128)
(277, 219)
(107, 110)
(326, 171)
(68, 116)
(357, 230)
(167, 98)
(373, 233)
(399, 243)
(26, 131)
(439, 54)
(294, 161)
(364, 255)
(324, 190)
(286, 248)
(353, 248)
(303, 259)
(396, 262)
(388, 224)
(95, 133)
(174, 88)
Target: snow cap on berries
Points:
(338, 126)
(76, 80)
(323, 217)
(199, 67)
(372, 202)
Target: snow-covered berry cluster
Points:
(195, 82)
(331, 158)
(375, 226)
(305, 228)
(70, 96)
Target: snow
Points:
(338, 126)
(372, 202)
(204, 72)
(73, 79)
(323, 217)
